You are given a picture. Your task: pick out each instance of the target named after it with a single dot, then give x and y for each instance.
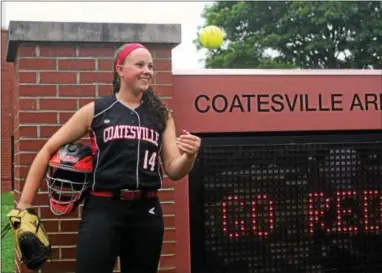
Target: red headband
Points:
(126, 51)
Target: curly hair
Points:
(158, 111)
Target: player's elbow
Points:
(176, 171)
(173, 172)
(175, 176)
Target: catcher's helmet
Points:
(69, 175)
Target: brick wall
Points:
(53, 82)
(7, 103)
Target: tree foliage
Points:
(286, 34)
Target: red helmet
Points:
(69, 175)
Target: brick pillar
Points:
(7, 105)
(60, 67)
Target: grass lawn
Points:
(7, 245)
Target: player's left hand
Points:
(188, 143)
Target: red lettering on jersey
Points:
(130, 132)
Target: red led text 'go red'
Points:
(260, 221)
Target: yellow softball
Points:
(211, 37)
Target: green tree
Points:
(286, 34)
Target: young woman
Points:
(133, 132)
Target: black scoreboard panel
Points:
(287, 204)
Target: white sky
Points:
(188, 14)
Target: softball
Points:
(211, 37)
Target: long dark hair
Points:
(158, 111)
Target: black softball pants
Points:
(132, 230)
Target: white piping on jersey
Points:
(95, 138)
(103, 111)
(159, 165)
(139, 139)
(138, 148)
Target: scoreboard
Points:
(306, 203)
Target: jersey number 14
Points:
(149, 161)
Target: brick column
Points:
(7, 105)
(59, 67)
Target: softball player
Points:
(132, 132)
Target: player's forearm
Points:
(180, 166)
(34, 178)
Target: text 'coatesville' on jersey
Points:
(127, 147)
(130, 132)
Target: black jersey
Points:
(127, 147)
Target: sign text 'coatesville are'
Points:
(220, 103)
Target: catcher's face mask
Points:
(69, 175)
